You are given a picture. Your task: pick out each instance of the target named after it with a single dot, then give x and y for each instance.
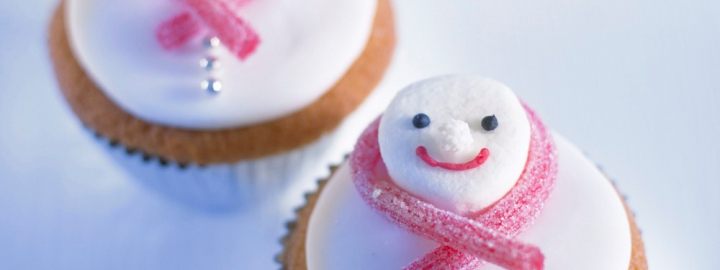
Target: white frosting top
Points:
(456, 106)
(583, 225)
(306, 46)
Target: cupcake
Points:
(458, 173)
(231, 108)
(218, 82)
(258, 93)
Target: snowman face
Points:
(459, 142)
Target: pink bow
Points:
(466, 241)
(234, 32)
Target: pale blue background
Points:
(635, 83)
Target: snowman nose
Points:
(455, 136)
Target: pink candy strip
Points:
(446, 257)
(467, 241)
(236, 34)
(177, 31)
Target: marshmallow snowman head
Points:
(460, 142)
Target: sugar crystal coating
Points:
(235, 33)
(177, 31)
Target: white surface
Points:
(465, 99)
(583, 225)
(634, 83)
(115, 42)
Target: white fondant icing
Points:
(583, 225)
(306, 46)
(456, 106)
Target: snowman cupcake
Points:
(459, 174)
(222, 81)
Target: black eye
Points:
(490, 122)
(421, 120)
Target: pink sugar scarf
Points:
(466, 241)
(218, 16)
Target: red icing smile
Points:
(472, 164)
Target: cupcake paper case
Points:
(583, 223)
